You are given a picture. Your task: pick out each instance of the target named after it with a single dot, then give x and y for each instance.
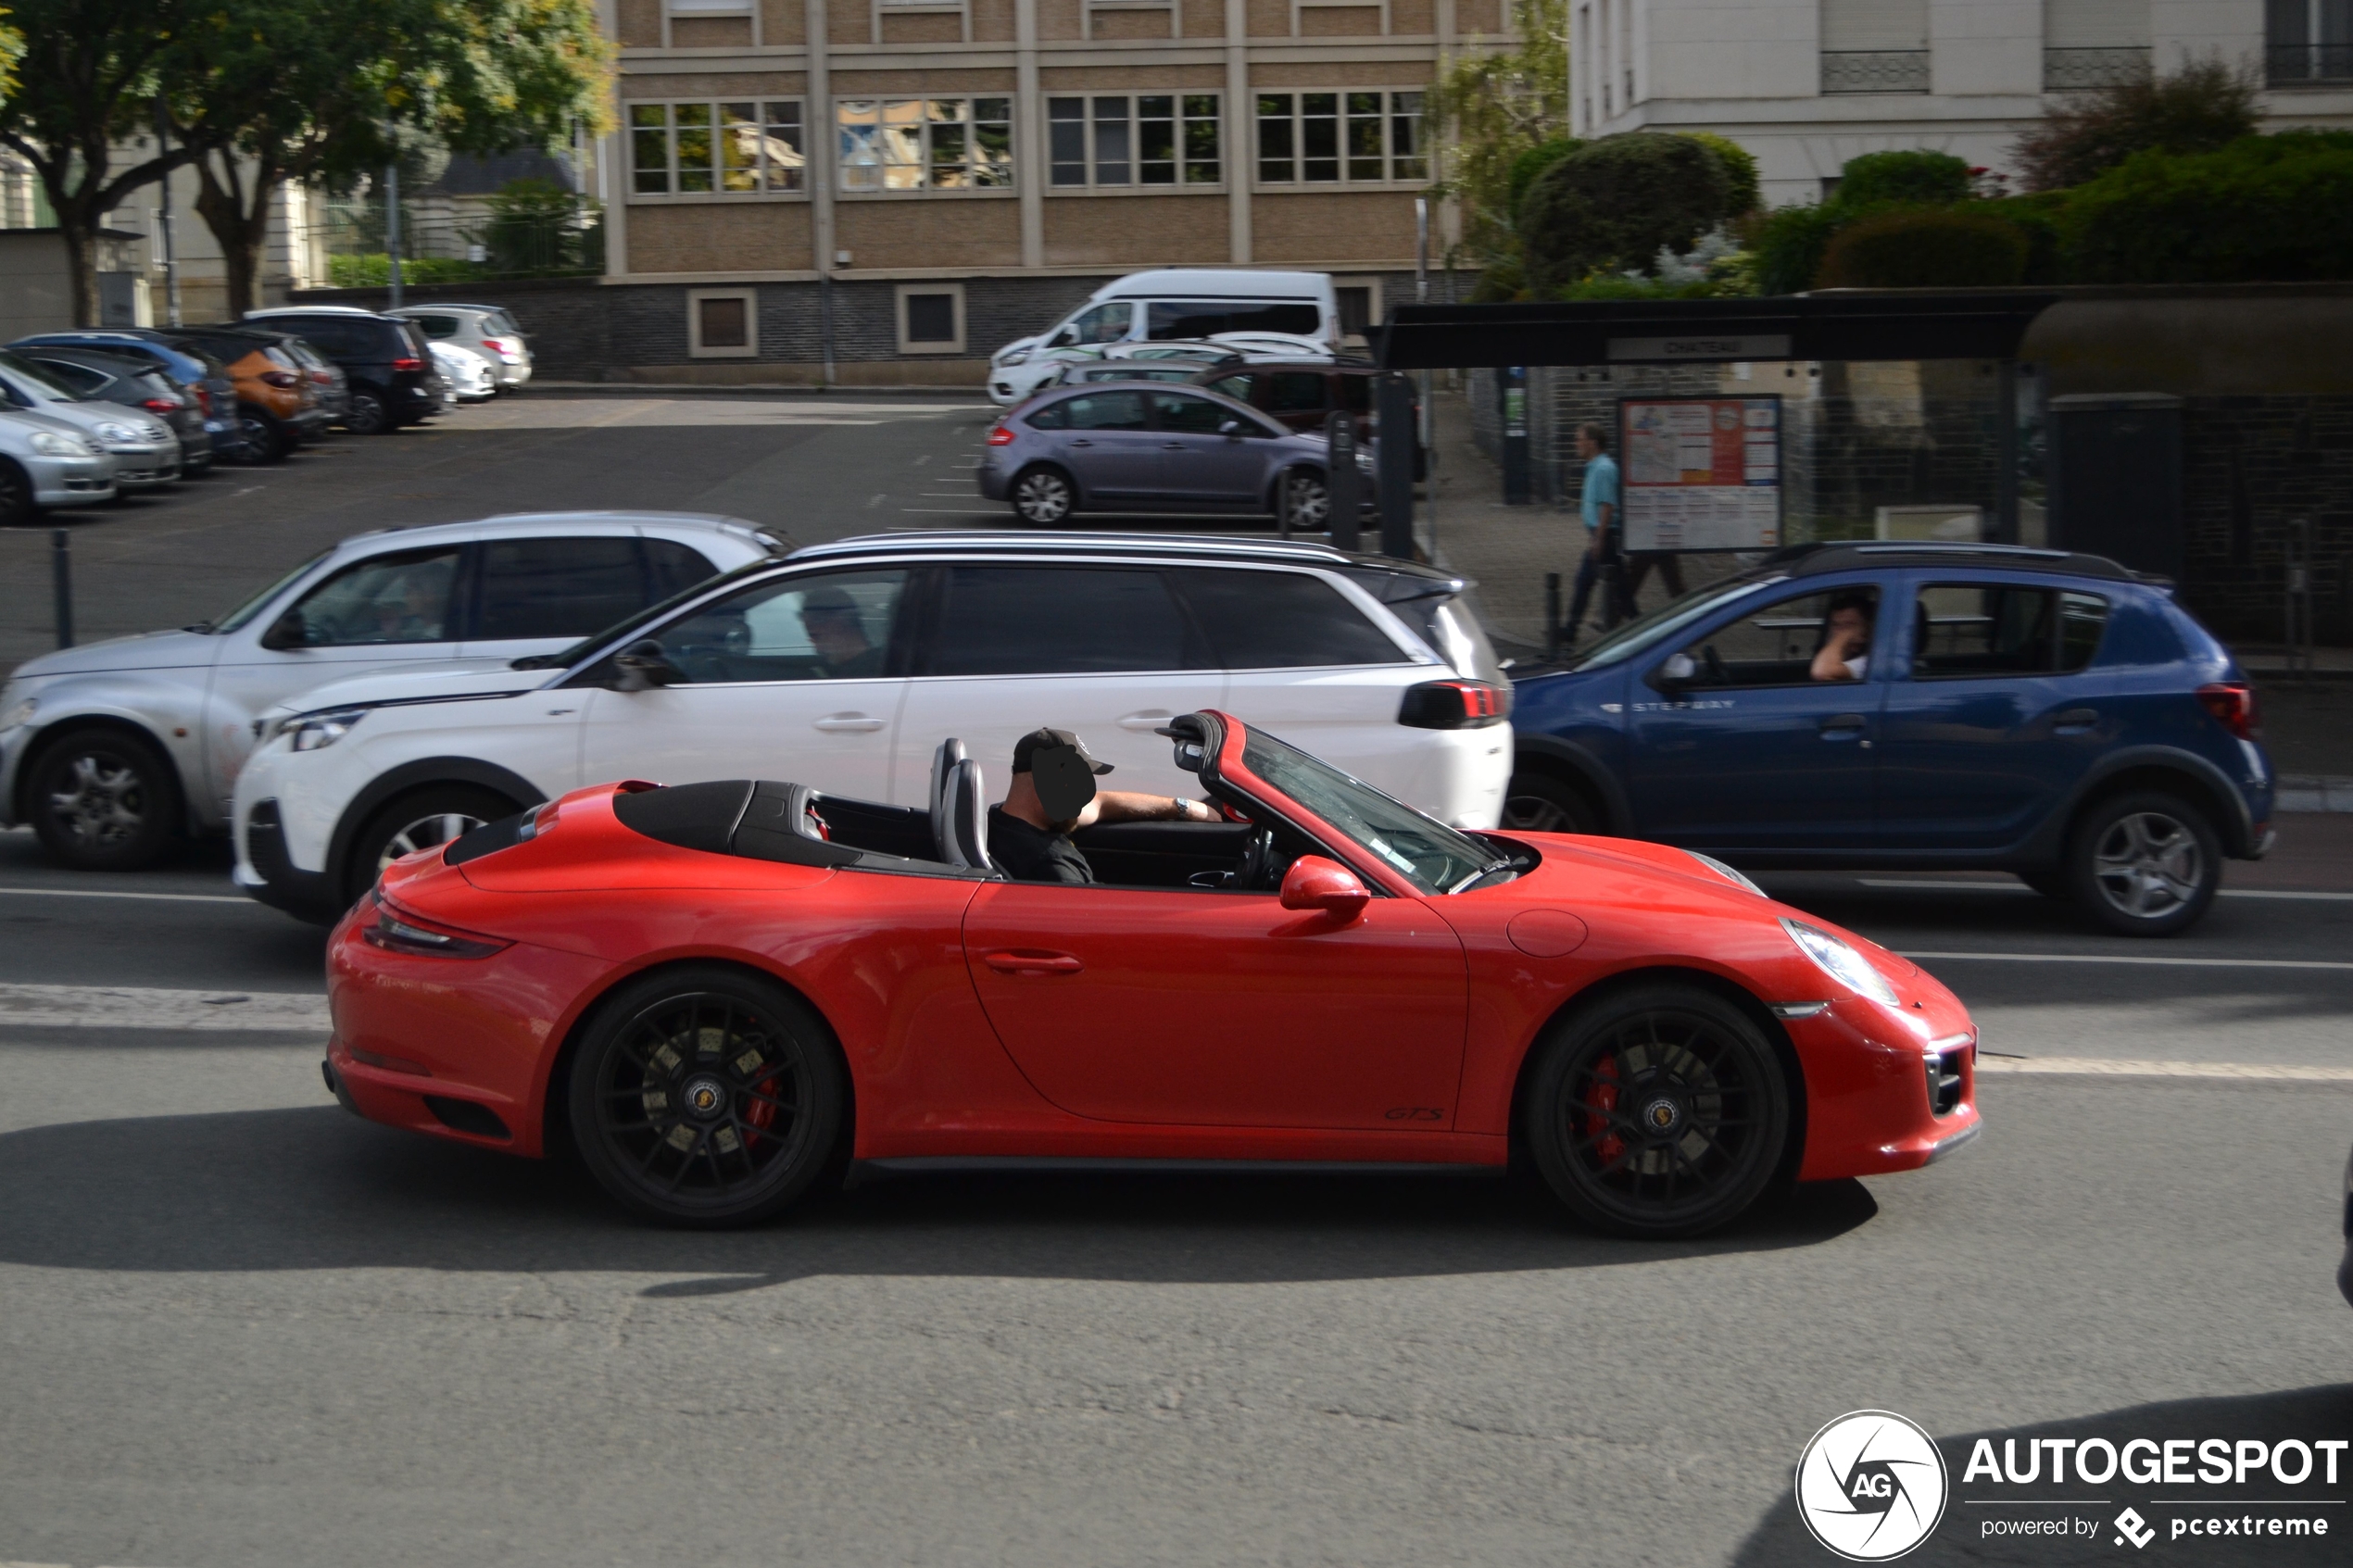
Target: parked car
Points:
(1179, 373)
(2017, 709)
(277, 409)
(144, 449)
(846, 663)
(1170, 304)
(489, 330)
(45, 463)
(1131, 446)
(467, 376)
(393, 380)
(1304, 395)
(2345, 1269)
(327, 392)
(132, 384)
(194, 374)
(1328, 974)
(113, 748)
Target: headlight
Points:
(1840, 962)
(58, 445)
(110, 430)
(1014, 357)
(1727, 872)
(316, 731)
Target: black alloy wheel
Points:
(104, 799)
(367, 415)
(262, 438)
(17, 503)
(1310, 501)
(2144, 864)
(1658, 1111)
(705, 1096)
(1543, 803)
(1044, 497)
(421, 821)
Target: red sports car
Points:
(724, 993)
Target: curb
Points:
(2313, 793)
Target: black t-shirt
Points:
(1029, 854)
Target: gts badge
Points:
(1416, 1113)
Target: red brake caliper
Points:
(1603, 1096)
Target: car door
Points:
(1106, 650)
(1198, 463)
(790, 678)
(1746, 750)
(1107, 442)
(534, 595)
(1214, 1008)
(1988, 723)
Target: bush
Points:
(1918, 177)
(1534, 161)
(373, 270)
(1612, 203)
(1789, 243)
(1740, 170)
(1925, 247)
(2203, 107)
(2266, 208)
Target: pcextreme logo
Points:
(1871, 1486)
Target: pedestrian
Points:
(1598, 502)
(1638, 564)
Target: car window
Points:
(1189, 415)
(1059, 620)
(37, 383)
(833, 626)
(1966, 629)
(1775, 644)
(1235, 387)
(335, 339)
(1104, 323)
(557, 587)
(78, 377)
(674, 566)
(401, 597)
(1280, 621)
(1103, 410)
(1427, 853)
(153, 384)
(1355, 393)
(1294, 392)
(1167, 319)
(438, 326)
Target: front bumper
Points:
(14, 742)
(1872, 1089)
(69, 482)
(146, 468)
(265, 871)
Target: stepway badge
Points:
(1871, 1486)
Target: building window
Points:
(926, 144)
(1118, 140)
(931, 317)
(2308, 41)
(2093, 43)
(1348, 138)
(722, 323)
(1875, 46)
(700, 149)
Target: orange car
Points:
(277, 407)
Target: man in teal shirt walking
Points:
(1599, 504)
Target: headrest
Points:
(967, 818)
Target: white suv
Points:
(845, 665)
(112, 749)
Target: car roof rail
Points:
(1065, 542)
(1836, 554)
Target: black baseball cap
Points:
(1040, 739)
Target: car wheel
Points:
(1545, 803)
(264, 440)
(367, 415)
(417, 821)
(707, 1096)
(1310, 501)
(103, 801)
(1658, 1111)
(2145, 864)
(17, 503)
(1044, 497)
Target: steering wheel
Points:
(1250, 870)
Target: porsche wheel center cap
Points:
(1662, 1115)
(704, 1096)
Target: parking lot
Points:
(238, 1326)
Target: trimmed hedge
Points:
(1614, 203)
(1740, 170)
(1920, 177)
(2266, 208)
(1923, 248)
(1534, 161)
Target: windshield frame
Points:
(585, 654)
(1647, 632)
(247, 609)
(53, 390)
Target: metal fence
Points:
(458, 247)
(2304, 65)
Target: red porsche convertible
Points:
(721, 994)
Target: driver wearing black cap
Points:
(1053, 795)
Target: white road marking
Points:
(2021, 887)
(2101, 1067)
(2132, 958)
(110, 893)
(945, 512)
(124, 1006)
(592, 413)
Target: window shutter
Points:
(1857, 25)
(2097, 24)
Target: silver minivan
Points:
(145, 450)
(46, 463)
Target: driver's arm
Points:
(1128, 806)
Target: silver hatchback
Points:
(1133, 446)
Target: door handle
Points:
(848, 724)
(1839, 724)
(1172, 446)
(2077, 719)
(1033, 963)
(1082, 443)
(1151, 719)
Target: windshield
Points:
(46, 386)
(1665, 622)
(252, 607)
(564, 658)
(1427, 853)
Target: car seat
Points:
(943, 763)
(966, 814)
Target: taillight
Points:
(510, 352)
(324, 378)
(408, 364)
(280, 378)
(163, 404)
(1002, 436)
(2232, 706)
(204, 402)
(1456, 705)
(396, 931)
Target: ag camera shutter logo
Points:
(1871, 1486)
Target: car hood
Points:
(146, 650)
(441, 682)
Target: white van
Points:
(1165, 304)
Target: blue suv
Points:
(1915, 706)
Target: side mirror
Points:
(1326, 886)
(1230, 427)
(1063, 338)
(1679, 670)
(289, 631)
(643, 666)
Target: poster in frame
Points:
(1701, 473)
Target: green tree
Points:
(11, 51)
(1616, 202)
(2202, 107)
(331, 89)
(1492, 108)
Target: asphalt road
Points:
(239, 1327)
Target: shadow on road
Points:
(2306, 1415)
(314, 1189)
